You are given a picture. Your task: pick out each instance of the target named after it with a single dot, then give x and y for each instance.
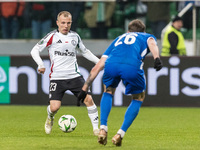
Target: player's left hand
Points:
(82, 95)
(158, 64)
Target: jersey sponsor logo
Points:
(59, 41)
(66, 53)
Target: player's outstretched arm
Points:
(90, 56)
(155, 52)
(93, 73)
(36, 57)
(153, 48)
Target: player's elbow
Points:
(94, 69)
(152, 44)
(32, 52)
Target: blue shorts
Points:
(132, 77)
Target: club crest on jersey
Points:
(73, 42)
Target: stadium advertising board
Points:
(177, 84)
(4, 80)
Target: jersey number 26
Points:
(129, 39)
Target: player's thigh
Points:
(134, 80)
(76, 84)
(56, 90)
(134, 86)
(111, 76)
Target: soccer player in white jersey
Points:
(64, 74)
(123, 60)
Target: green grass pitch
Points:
(155, 128)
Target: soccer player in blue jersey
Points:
(123, 60)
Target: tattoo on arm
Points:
(89, 81)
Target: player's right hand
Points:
(41, 70)
(158, 64)
(82, 95)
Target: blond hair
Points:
(65, 13)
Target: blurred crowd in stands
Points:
(92, 20)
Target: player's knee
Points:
(55, 108)
(139, 97)
(88, 100)
(110, 90)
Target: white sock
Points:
(104, 127)
(121, 132)
(50, 114)
(93, 115)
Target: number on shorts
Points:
(53, 86)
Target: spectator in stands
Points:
(98, 18)
(173, 41)
(187, 17)
(158, 14)
(10, 15)
(41, 14)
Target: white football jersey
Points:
(62, 53)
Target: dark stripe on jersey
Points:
(77, 69)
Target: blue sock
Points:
(131, 114)
(105, 107)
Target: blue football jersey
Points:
(129, 48)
